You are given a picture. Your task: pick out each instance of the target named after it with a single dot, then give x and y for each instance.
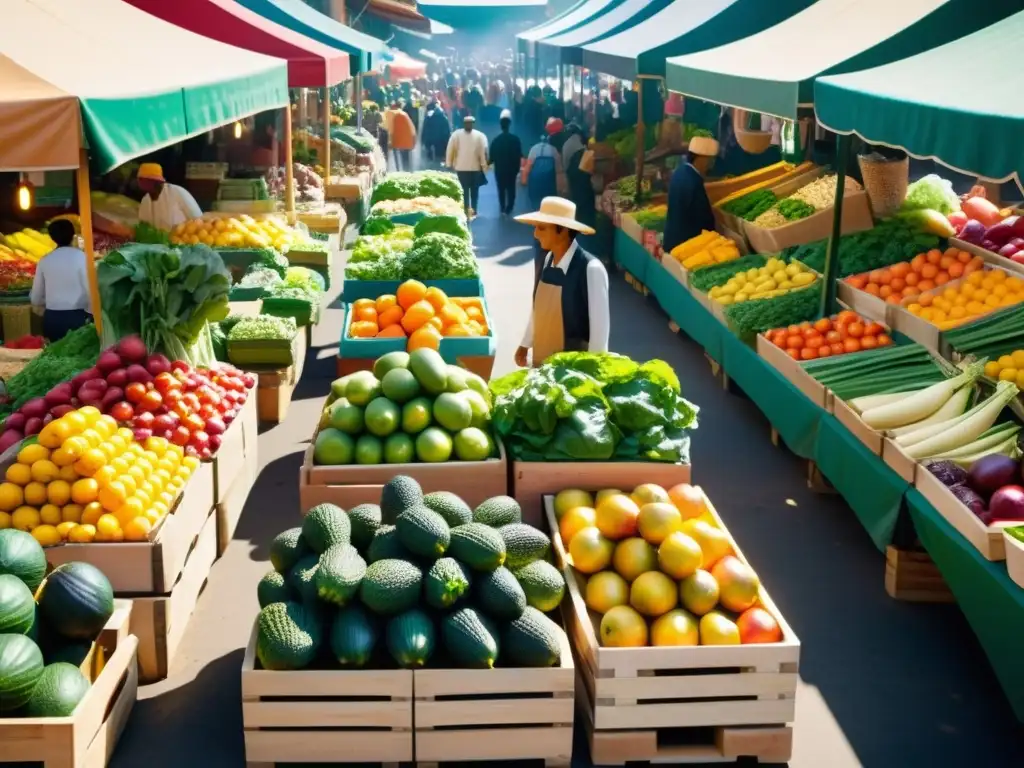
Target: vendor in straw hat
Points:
(570, 296)
(165, 206)
(689, 211)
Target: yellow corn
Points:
(694, 244)
(803, 168)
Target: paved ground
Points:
(883, 683)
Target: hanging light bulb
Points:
(25, 195)
(238, 129)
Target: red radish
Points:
(112, 397)
(199, 441)
(118, 378)
(142, 434)
(181, 436)
(215, 426)
(157, 364)
(61, 410)
(59, 395)
(87, 375)
(15, 421)
(122, 412)
(144, 420)
(47, 419)
(215, 442)
(108, 361)
(9, 438)
(33, 425)
(132, 349)
(164, 421)
(138, 374)
(36, 407)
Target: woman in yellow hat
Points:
(570, 295)
(165, 206)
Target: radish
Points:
(118, 378)
(157, 364)
(111, 397)
(87, 375)
(9, 438)
(131, 349)
(33, 425)
(59, 395)
(108, 361)
(15, 421)
(138, 375)
(61, 410)
(35, 408)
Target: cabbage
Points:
(932, 192)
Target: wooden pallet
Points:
(495, 714)
(160, 621)
(725, 702)
(88, 737)
(911, 576)
(325, 716)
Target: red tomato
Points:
(824, 350)
(151, 401)
(855, 330)
(868, 342)
(794, 353)
(824, 325)
(808, 354)
(794, 342)
(165, 382)
(181, 436)
(135, 392)
(852, 345)
(873, 329)
(833, 336)
(122, 412)
(882, 340)
(815, 342)
(193, 422)
(838, 348)
(180, 365)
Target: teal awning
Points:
(969, 118)
(574, 17)
(774, 71)
(683, 27)
(363, 50)
(477, 14)
(616, 17)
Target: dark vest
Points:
(575, 299)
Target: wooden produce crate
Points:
(160, 621)
(1014, 559)
(276, 386)
(325, 716)
(153, 566)
(354, 484)
(495, 714)
(987, 539)
(481, 365)
(229, 511)
(237, 449)
(532, 480)
(685, 704)
(912, 577)
(88, 737)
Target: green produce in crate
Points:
(369, 450)
(410, 638)
(399, 494)
(890, 241)
(333, 447)
(288, 636)
(878, 371)
(543, 585)
(365, 520)
(324, 526)
(449, 506)
(58, 692)
(433, 445)
(472, 444)
(76, 600)
(533, 640)
(470, 638)
(446, 581)
(273, 589)
(17, 606)
(449, 225)
(391, 586)
(399, 448)
(498, 511)
(438, 256)
(499, 595)
(287, 548)
(339, 574)
(752, 204)
(263, 328)
(477, 545)
(423, 532)
(302, 578)
(749, 318)
(22, 556)
(21, 666)
(353, 637)
(385, 546)
(523, 544)
(382, 417)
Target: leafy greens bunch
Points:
(166, 295)
(588, 406)
(437, 256)
(405, 186)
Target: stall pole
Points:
(303, 106)
(561, 83)
(289, 171)
(828, 295)
(327, 135)
(85, 217)
(359, 102)
(640, 130)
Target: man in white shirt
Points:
(570, 300)
(61, 284)
(467, 155)
(165, 206)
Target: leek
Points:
(955, 406)
(866, 403)
(921, 404)
(969, 427)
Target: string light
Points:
(25, 195)
(238, 130)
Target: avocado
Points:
(339, 574)
(449, 506)
(478, 546)
(399, 494)
(391, 586)
(324, 526)
(498, 511)
(430, 370)
(390, 362)
(499, 595)
(423, 532)
(533, 640)
(523, 544)
(288, 636)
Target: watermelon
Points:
(58, 691)
(76, 600)
(17, 607)
(21, 665)
(22, 556)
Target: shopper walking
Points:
(61, 284)
(436, 130)
(467, 155)
(507, 157)
(403, 139)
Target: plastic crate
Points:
(371, 289)
(262, 352)
(301, 311)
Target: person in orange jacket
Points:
(402, 138)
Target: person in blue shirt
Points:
(689, 211)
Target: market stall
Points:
(474, 14)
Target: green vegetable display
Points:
(57, 362)
(890, 241)
(437, 256)
(147, 233)
(718, 274)
(166, 295)
(749, 318)
(405, 186)
(303, 277)
(587, 406)
(751, 205)
(653, 220)
(878, 371)
(258, 276)
(263, 327)
(449, 225)
(931, 192)
(794, 210)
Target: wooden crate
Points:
(229, 511)
(532, 480)
(691, 704)
(160, 621)
(495, 714)
(325, 716)
(1014, 559)
(237, 448)
(88, 737)
(987, 539)
(354, 484)
(149, 567)
(911, 576)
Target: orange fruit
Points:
(689, 500)
(410, 292)
(367, 314)
(436, 322)
(390, 316)
(756, 625)
(107, 525)
(717, 629)
(426, 336)
(35, 494)
(457, 329)
(679, 555)
(386, 302)
(657, 521)
(698, 592)
(677, 627)
(617, 517)
(137, 529)
(363, 303)
(571, 498)
(112, 496)
(417, 314)
(453, 313)
(590, 551)
(653, 594)
(391, 332)
(714, 543)
(649, 493)
(575, 520)
(737, 584)
(623, 627)
(634, 557)
(361, 329)
(11, 497)
(436, 297)
(90, 462)
(605, 590)
(91, 513)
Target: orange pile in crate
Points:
(839, 335)
(924, 272)
(977, 294)
(421, 314)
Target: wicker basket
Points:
(885, 181)
(752, 142)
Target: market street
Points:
(883, 683)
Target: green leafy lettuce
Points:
(437, 256)
(586, 406)
(450, 225)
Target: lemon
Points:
(605, 590)
(58, 492)
(50, 514)
(82, 534)
(72, 513)
(30, 454)
(91, 513)
(65, 528)
(653, 594)
(679, 555)
(44, 470)
(84, 491)
(68, 475)
(5, 520)
(137, 529)
(46, 535)
(117, 535)
(25, 518)
(35, 494)
(11, 496)
(107, 525)
(19, 474)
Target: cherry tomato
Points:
(838, 348)
(180, 365)
(794, 353)
(199, 441)
(122, 412)
(808, 354)
(152, 401)
(873, 329)
(868, 342)
(814, 342)
(855, 330)
(852, 345)
(193, 422)
(882, 340)
(794, 342)
(824, 325)
(165, 382)
(135, 392)
(848, 316)
(181, 436)
(144, 420)
(824, 350)
(833, 336)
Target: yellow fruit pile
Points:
(979, 293)
(87, 480)
(775, 278)
(660, 571)
(27, 244)
(705, 249)
(236, 232)
(1008, 367)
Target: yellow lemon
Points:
(11, 496)
(75, 447)
(570, 499)
(65, 528)
(46, 535)
(90, 413)
(30, 454)
(50, 514)
(677, 627)
(35, 494)
(92, 460)
(5, 520)
(679, 555)
(649, 493)
(58, 492)
(605, 590)
(72, 513)
(658, 520)
(575, 520)
(633, 557)
(604, 494)
(44, 471)
(137, 529)
(92, 512)
(69, 475)
(85, 491)
(714, 542)
(112, 496)
(75, 420)
(653, 594)
(623, 627)
(19, 474)
(25, 518)
(107, 524)
(590, 551)
(117, 535)
(82, 534)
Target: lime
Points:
(362, 388)
(332, 447)
(400, 385)
(399, 449)
(433, 445)
(472, 444)
(382, 417)
(346, 416)
(416, 415)
(369, 450)
(452, 411)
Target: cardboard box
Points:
(793, 372)
(987, 539)
(898, 461)
(863, 303)
(850, 419)
(354, 484)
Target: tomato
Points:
(852, 345)
(848, 316)
(180, 365)
(868, 342)
(833, 336)
(882, 340)
(199, 441)
(135, 392)
(824, 350)
(181, 409)
(171, 397)
(873, 329)
(151, 401)
(181, 436)
(838, 348)
(122, 412)
(165, 382)
(808, 354)
(208, 412)
(804, 325)
(191, 401)
(810, 333)
(855, 330)
(193, 422)
(794, 353)
(794, 342)
(143, 420)
(824, 325)
(815, 342)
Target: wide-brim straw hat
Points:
(704, 145)
(557, 211)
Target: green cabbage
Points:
(932, 192)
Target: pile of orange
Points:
(924, 272)
(421, 314)
(840, 335)
(976, 295)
